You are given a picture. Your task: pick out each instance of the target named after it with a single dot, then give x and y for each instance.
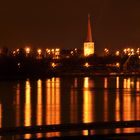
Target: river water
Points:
(60, 100)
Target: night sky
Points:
(63, 23)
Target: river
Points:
(60, 100)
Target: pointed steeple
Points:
(89, 33)
(88, 44)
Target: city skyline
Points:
(63, 24)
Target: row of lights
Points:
(116, 65)
(87, 65)
(131, 51)
(128, 51)
(53, 52)
(56, 52)
(48, 51)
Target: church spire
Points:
(88, 44)
(89, 33)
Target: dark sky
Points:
(63, 23)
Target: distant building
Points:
(53, 53)
(89, 44)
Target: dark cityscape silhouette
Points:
(70, 69)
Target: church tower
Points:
(89, 44)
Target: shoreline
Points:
(69, 74)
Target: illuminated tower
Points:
(89, 44)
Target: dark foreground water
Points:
(69, 100)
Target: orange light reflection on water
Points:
(88, 101)
(128, 110)
(18, 105)
(117, 105)
(75, 82)
(138, 102)
(53, 104)
(105, 83)
(127, 115)
(27, 111)
(138, 84)
(39, 105)
(0, 115)
(0, 118)
(126, 83)
(130, 104)
(117, 82)
(105, 100)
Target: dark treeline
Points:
(21, 65)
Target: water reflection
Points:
(127, 107)
(53, 103)
(117, 106)
(126, 83)
(117, 82)
(105, 82)
(27, 120)
(117, 109)
(27, 112)
(75, 82)
(39, 105)
(18, 105)
(88, 103)
(137, 111)
(0, 115)
(70, 100)
(138, 84)
(39, 102)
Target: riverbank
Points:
(69, 74)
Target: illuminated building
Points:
(39, 54)
(89, 44)
(54, 53)
(106, 51)
(27, 50)
(117, 53)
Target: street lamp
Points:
(39, 51)
(27, 50)
(117, 53)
